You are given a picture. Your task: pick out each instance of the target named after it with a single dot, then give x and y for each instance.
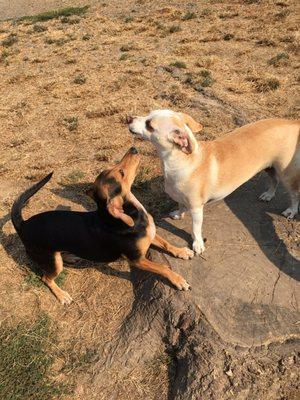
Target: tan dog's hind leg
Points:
(164, 271)
(292, 211)
(291, 180)
(181, 252)
(270, 193)
(48, 279)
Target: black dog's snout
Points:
(129, 119)
(133, 150)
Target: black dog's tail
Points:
(16, 210)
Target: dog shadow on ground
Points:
(262, 219)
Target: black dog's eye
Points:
(122, 173)
(149, 126)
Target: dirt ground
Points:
(66, 86)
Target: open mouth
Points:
(132, 131)
(136, 135)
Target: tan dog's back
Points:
(254, 147)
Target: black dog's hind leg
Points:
(51, 265)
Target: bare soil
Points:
(66, 86)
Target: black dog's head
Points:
(113, 186)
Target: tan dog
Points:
(198, 172)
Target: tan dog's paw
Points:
(267, 196)
(177, 214)
(185, 253)
(198, 246)
(179, 282)
(290, 213)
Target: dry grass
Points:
(67, 84)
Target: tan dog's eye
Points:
(122, 173)
(149, 126)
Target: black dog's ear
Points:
(115, 208)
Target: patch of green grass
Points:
(71, 61)
(228, 15)
(265, 42)
(75, 176)
(11, 39)
(199, 80)
(128, 19)
(60, 280)
(71, 123)
(159, 25)
(206, 78)
(27, 354)
(46, 16)
(127, 47)
(174, 29)
(189, 15)
(79, 79)
(145, 61)
(87, 36)
(80, 361)
(39, 28)
(277, 60)
(4, 54)
(33, 279)
(178, 64)
(206, 12)
(71, 21)
(267, 85)
(60, 41)
(124, 56)
(228, 36)
(282, 14)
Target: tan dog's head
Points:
(113, 186)
(166, 129)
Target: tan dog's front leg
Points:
(180, 252)
(197, 218)
(163, 270)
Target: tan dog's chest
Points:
(176, 182)
(175, 191)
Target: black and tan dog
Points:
(119, 227)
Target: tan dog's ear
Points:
(182, 139)
(115, 208)
(191, 123)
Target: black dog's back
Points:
(85, 234)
